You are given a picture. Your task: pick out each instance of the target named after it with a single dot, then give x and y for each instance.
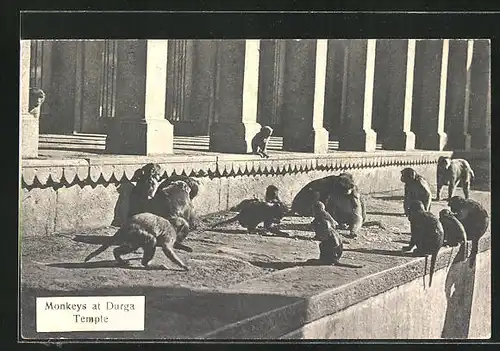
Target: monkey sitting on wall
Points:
(474, 218)
(454, 231)
(146, 230)
(416, 189)
(260, 140)
(427, 233)
(36, 99)
(451, 172)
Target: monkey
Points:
(330, 245)
(243, 204)
(272, 196)
(147, 230)
(451, 172)
(174, 201)
(416, 189)
(342, 199)
(454, 231)
(260, 140)
(191, 182)
(427, 233)
(255, 212)
(148, 181)
(36, 99)
(474, 218)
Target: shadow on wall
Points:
(459, 290)
(122, 204)
(181, 313)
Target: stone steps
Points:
(79, 141)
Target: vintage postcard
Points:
(203, 189)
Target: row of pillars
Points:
(416, 101)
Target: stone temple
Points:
(369, 107)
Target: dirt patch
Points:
(224, 259)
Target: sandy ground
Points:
(222, 259)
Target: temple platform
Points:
(249, 286)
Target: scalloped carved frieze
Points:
(111, 169)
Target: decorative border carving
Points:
(119, 168)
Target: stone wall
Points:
(64, 195)
(457, 306)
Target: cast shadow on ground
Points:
(107, 264)
(390, 198)
(398, 253)
(303, 227)
(279, 265)
(392, 214)
(178, 313)
(91, 239)
(406, 242)
(259, 232)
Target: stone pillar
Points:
(304, 96)
(357, 133)
(431, 97)
(237, 94)
(271, 78)
(139, 126)
(401, 60)
(203, 93)
(458, 94)
(29, 128)
(479, 110)
(334, 89)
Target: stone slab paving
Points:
(240, 285)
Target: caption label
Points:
(90, 313)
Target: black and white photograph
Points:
(255, 189)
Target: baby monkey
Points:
(330, 246)
(259, 141)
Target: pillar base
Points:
(298, 139)
(434, 141)
(141, 137)
(364, 140)
(405, 141)
(29, 135)
(235, 138)
(460, 141)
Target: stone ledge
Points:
(281, 321)
(37, 172)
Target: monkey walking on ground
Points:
(451, 172)
(260, 140)
(252, 212)
(427, 233)
(416, 189)
(330, 246)
(454, 231)
(147, 230)
(475, 220)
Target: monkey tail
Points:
(348, 265)
(471, 172)
(433, 266)
(227, 221)
(374, 223)
(104, 246)
(473, 252)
